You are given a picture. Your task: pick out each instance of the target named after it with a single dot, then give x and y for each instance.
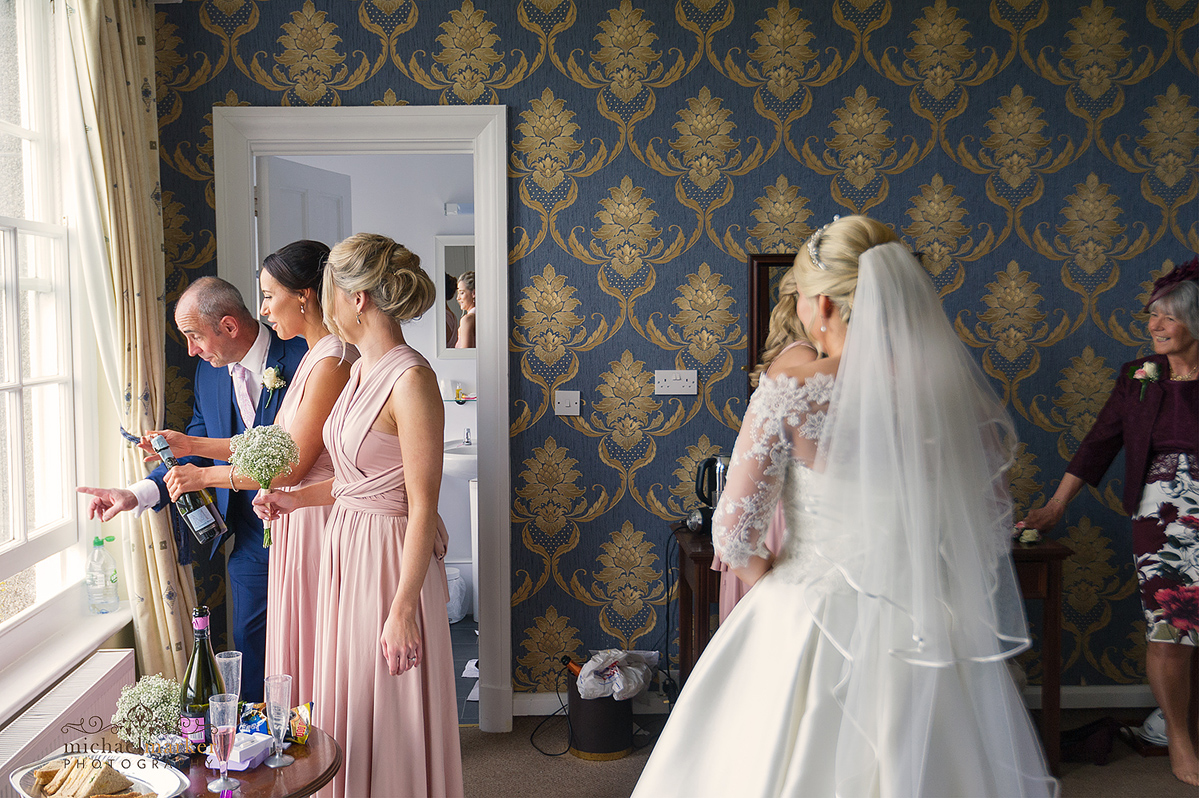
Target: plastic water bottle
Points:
(101, 579)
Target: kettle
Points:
(709, 484)
(709, 479)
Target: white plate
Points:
(148, 775)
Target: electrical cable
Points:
(563, 711)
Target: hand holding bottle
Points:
(184, 478)
(197, 508)
(181, 445)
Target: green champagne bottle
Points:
(201, 681)
(197, 508)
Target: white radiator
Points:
(82, 702)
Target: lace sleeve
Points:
(782, 426)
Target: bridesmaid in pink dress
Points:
(290, 282)
(384, 670)
(787, 347)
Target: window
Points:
(37, 375)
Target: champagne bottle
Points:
(201, 681)
(197, 508)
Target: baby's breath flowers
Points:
(263, 454)
(146, 709)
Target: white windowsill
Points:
(32, 658)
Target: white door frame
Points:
(242, 134)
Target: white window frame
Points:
(75, 371)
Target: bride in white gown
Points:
(869, 659)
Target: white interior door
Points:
(297, 201)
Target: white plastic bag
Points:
(620, 674)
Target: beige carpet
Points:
(507, 766)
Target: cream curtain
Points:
(112, 128)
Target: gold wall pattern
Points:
(1041, 155)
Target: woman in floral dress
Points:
(1153, 414)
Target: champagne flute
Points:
(229, 664)
(223, 709)
(278, 713)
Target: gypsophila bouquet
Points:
(263, 454)
(147, 709)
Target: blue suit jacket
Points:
(214, 416)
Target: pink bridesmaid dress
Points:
(399, 733)
(295, 555)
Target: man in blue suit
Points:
(235, 350)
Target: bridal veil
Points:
(913, 510)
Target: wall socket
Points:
(683, 382)
(566, 403)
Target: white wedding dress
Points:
(833, 679)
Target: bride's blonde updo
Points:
(838, 248)
(386, 271)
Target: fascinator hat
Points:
(1186, 272)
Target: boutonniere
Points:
(1147, 373)
(272, 380)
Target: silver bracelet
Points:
(232, 487)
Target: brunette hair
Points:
(298, 266)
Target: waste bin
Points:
(456, 606)
(600, 728)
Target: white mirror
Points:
(455, 257)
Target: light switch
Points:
(566, 403)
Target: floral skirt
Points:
(1165, 540)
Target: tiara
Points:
(814, 246)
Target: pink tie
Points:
(242, 378)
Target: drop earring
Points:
(301, 307)
(358, 317)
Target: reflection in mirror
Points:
(765, 273)
(455, 281)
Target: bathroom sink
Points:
(460, 460)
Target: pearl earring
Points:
(301, 307)
(823, 328)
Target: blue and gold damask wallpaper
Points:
(1041, 154)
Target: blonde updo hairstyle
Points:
(785, 328)
(839, 247)
(387, 272)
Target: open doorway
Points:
(242, 135)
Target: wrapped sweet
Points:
(253, 720)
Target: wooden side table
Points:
(317, 761)
(1038, 568)
(699, 586)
